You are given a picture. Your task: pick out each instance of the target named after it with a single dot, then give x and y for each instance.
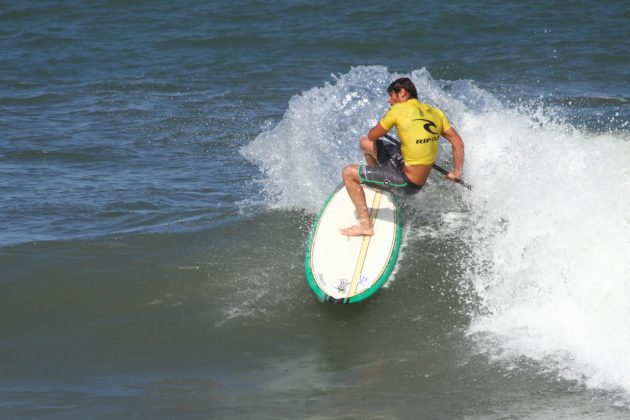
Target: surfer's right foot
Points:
(357, 230)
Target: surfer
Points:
(405, 167)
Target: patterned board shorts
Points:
(389, 174)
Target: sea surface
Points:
(161, 164)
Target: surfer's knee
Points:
(349, 172)
(366, 145)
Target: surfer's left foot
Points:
(357, 230)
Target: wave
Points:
(549, 236)
(547, 226)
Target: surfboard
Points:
(342, 269)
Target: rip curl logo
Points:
(429, 126)
(427, 140)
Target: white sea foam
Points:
(550, 244)
(547, 226)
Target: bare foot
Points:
(357, 230)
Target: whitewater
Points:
(545, 266)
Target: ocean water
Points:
(161, 164)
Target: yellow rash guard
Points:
(419, 127)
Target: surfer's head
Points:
(403, 83)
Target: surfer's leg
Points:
(352, 182)
(369, 150)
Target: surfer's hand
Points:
(454, 176)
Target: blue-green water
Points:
(161, 164)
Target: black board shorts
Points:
(389, 174)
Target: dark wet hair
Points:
(403, 83)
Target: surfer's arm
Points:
(458, 154)
(376, 132)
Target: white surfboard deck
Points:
(344, 269)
